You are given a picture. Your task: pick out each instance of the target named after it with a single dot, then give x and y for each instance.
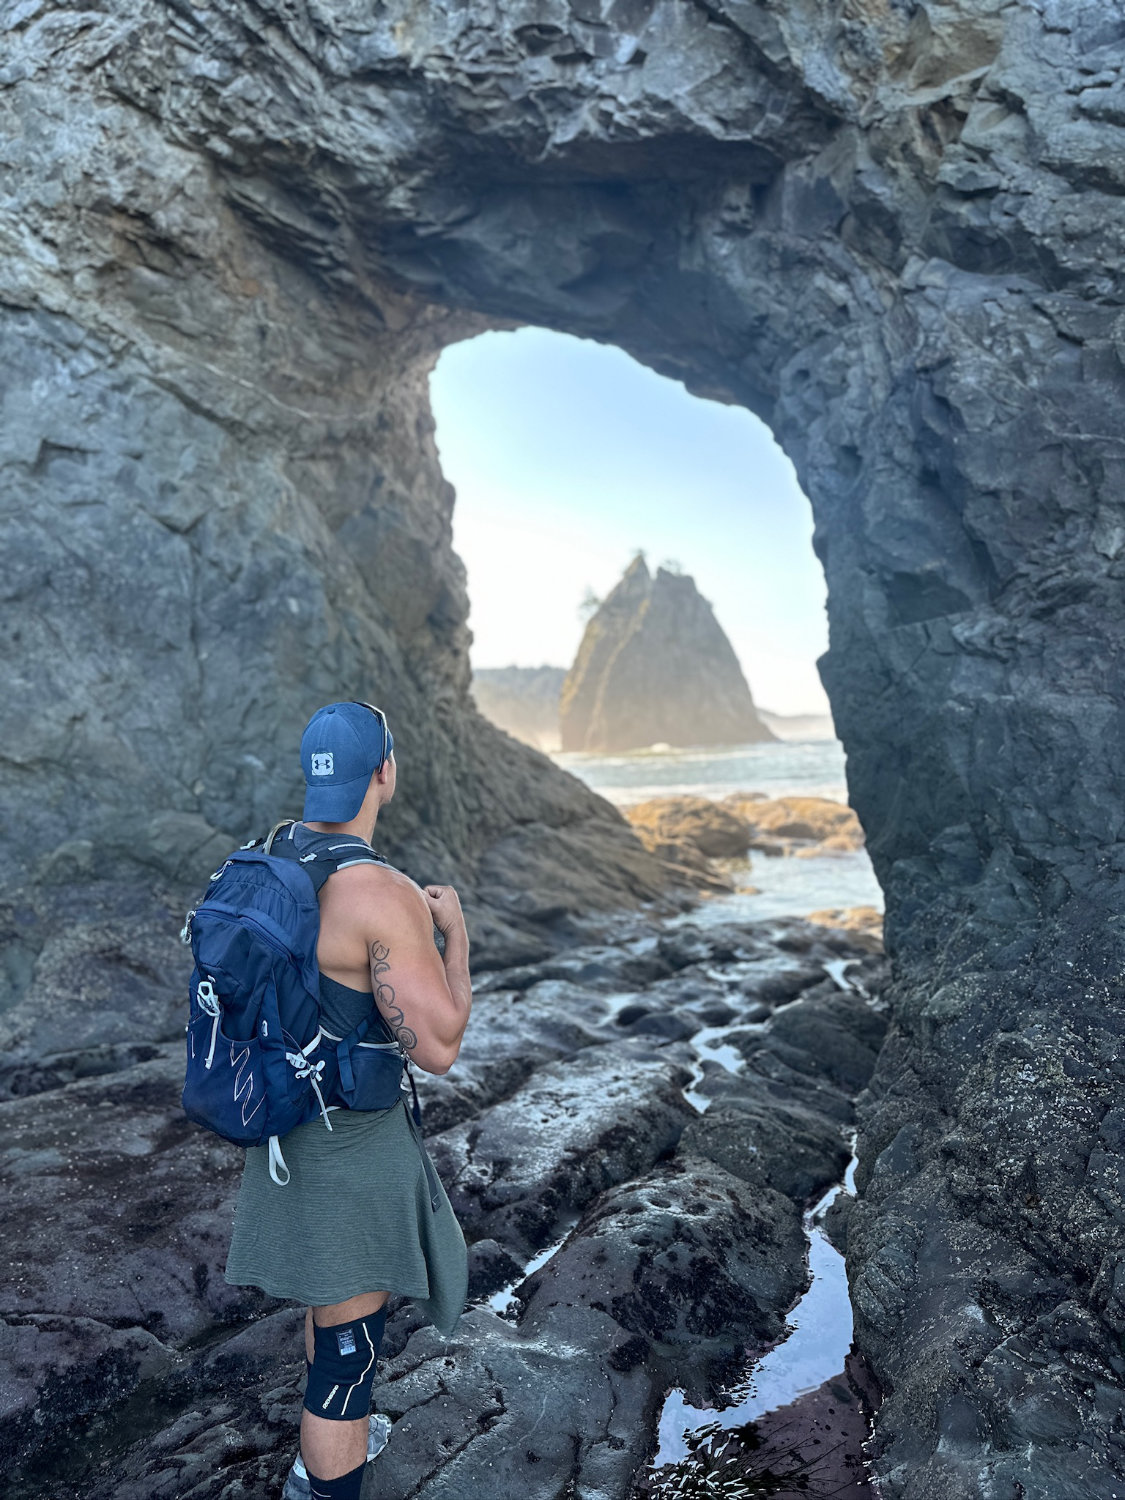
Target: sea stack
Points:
(655, 667)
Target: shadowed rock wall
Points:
(234, 240)
(222, 506)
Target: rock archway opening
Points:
(646, 606)
(568, 458)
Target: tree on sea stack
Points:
(655, 667)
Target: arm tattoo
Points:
(385, 998)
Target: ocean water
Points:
(780, 768)
(807, 768)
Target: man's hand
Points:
(445, 908)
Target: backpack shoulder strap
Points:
(268, 842)
(322, 854)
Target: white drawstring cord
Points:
(304, 1067)
(209, 1004)
(314, 1072)
(277, 1163)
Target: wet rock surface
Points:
(668, 1253)
(689, 1257)
(811, 1448)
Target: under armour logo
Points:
(322, 763)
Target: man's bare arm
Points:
(425, 998)
(385, 998)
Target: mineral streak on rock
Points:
(234, 241)
(654, 667)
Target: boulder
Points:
(576, 1128)
(796, 825)
(515, 1414)
(689, 1257)
(864, 923)
(697, 822)
(791, 1149)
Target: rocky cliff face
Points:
(234, 239)
(655, 667)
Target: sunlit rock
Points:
(796, 825)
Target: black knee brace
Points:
(343, 1368)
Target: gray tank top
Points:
(342, 1009)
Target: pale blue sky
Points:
(568, 455)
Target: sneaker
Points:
(297, 1485)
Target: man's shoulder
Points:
(364, 882)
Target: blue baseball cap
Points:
(342, 747)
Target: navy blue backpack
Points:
(258, 1061)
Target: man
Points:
(363, 1214)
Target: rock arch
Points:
(238, 238)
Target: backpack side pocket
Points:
(224, 1081)
(370, 1073)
